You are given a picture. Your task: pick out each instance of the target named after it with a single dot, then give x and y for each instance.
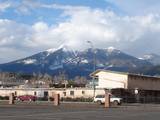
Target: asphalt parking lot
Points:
(78, 111)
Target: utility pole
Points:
(94, 66)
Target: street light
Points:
(94, 66)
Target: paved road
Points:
(78, 112)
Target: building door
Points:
(45, 94)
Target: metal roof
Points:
(123, 73)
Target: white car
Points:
(100, 99)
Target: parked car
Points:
(100, 99)
(26, 98)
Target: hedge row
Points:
(80, 99)
(4, 97)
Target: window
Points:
(83, 92)
(100, 96)
(96, 80)
(72, 93)
(64, 93)
(45, 93)
(15, 93)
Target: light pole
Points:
(94, 66)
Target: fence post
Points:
(11, 98)
(107, 100)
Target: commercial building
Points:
(128, 85)
(48, 92)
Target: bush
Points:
(51, 98)
(42, 98)
(4, 97)
(80, 99)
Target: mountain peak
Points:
(112, 50)
(51, 50)
(63, 47)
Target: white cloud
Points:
(13, 34)
(13, 40)
(134, 34)
(62, 7)
(137, 7)
(40, 27)
(25, 7)
(4, 6)
(103, 28)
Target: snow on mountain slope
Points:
(29, 61)
(111, 49)
(153, 58)
(74, 63)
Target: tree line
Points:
(38, 80)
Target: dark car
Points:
(26, 98)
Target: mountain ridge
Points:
(74, 62)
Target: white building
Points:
(110, 80)
(131, 87)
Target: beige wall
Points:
(82, 92)
(78, 92)
(18, 92)
(143, 82)
(111, 80)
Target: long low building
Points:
(48, 92)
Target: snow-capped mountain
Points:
(153, 58)
(75, 63)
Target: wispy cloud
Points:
(63, 7)
(137, 7)
(26, 6)
(4, 6)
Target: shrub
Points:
(78, 99)
(4, 97)
(42, 98)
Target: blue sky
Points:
(29, 11)
(31, 26)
